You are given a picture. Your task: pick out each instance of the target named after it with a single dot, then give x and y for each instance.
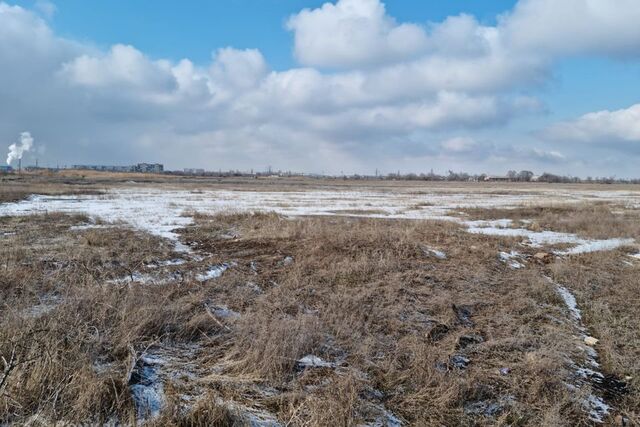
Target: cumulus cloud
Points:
(368, 88)
(352, 32)
(123, 66)
(599, 127)
(574, 27)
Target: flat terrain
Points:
(140, 299)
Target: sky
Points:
(347, 86)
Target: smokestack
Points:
(19, 165)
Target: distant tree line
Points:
(511, 176)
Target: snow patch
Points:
(166, 263)
(311, 361)
(214, 272)
(570, 301)
(596, 245)
(511, 259)
(384, 418)
(541, 238)
(437, 253)
(161, 212)
(594, 404)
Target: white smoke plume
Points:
(16, 150)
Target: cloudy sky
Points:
(304, 85)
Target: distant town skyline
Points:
(312, 86)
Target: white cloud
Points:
(574, 27)
(122, 66)
(599, 127)
(351, 33)
(238, 70)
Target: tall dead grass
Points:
(394, 322)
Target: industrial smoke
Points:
(16, 150)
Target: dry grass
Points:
(367, 295)
(17, 187)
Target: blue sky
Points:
(352, 85)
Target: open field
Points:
(302, 302)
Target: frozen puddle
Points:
(146, 388)
(157, 367)
(162, 212)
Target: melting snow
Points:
(311, 361)
(598, 410)
(161, 212)
(166, 263)
(594, 404)
(596, 245)
(224, 312)
(570, 302)
(146, 279)
(384, 418)
(510, 258)
(541, 238)
(214, 272)
(437, 253)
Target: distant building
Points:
(497, 178)
(140, 167)
(104, 168)
(149, 168)
(6, 169)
